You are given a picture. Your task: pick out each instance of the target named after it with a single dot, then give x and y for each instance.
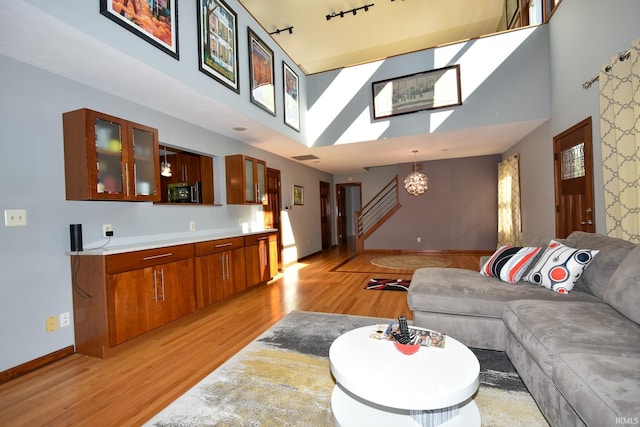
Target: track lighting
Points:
(353, 11)
(282, 30)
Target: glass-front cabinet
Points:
(108, 158)
(246, 180)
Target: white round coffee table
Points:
(379, 386)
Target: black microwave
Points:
(184, 192)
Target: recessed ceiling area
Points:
(387, 28)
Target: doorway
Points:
(273, 209)
(349, 202)
(325, 214)
(573, 172)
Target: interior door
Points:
(325, 214)
(341, 202)
(573, 170)
(273, 207)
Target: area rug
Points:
(283, 379)
(410, 261)
(388, 285)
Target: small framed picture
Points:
(298, 195)
(155, 22)
(291, 104)
(427, 90)
(218, 42)
(261, 72)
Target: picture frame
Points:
(298, 195)
(291, 88)
(512, 7)
(218, 42)
(417, 92)
(158, 25)
(261, 73)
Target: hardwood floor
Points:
(147, 373)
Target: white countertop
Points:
(138, 243)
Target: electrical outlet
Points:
(418, 239)
(65, 319)
(15, 217)
(51, 323)
(192, 226)
(240, 221)
(107, 230)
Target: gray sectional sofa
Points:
(578, 353)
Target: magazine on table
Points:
(429, 338)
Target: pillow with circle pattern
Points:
(509, 263)
(559, 267)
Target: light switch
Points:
(15, 217)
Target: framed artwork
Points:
(261, 73)
(218, 42)
(512, 7)
(155, 22)
(291, 104)
(298, 195)
(428, 90)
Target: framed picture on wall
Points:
(155, 22)
(261, 73)
(298, 195)
(218, 42)
(291, 104)
(428, 90)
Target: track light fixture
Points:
(353, 11)
(282, 30)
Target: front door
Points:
(573, 170)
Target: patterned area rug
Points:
(410, 261)
(388, 285)
(283, 379)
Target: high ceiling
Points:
(388, 28)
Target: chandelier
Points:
(415, 183)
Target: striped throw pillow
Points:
(509, 263)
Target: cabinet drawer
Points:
(140, 259)
(254, 239)
(220, 245)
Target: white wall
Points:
(583, 36)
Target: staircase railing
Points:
(376, 212)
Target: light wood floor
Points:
(149, 372)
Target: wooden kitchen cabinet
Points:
(189, 168)
(261, 263)
(246, 180)
(220, 270)
(109, 158)
(120, 296)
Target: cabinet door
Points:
(236, 281)
(142, 163)
(261, 181)
(209, 274)
(176, 291)
(273, 255)
(257, 261)
(131, 297)
(250, 188)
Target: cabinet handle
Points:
(227, 262)
(126, 177)
(147, 258)
(155, 285)
(263, 238)
(135, 180)
(162, 281)
(222, 245)
(224, 274)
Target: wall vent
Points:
(305, 157)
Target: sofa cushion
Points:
(559, 267)
(623, 292)
(465, 292)
(612, 252)
(601, 388)
(547, 329)
(509, 263)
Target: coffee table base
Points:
(350, 410)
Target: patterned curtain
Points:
(509, 223)
(620, 128)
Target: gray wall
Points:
(583, 36)
(36, 277)
(457, 212)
